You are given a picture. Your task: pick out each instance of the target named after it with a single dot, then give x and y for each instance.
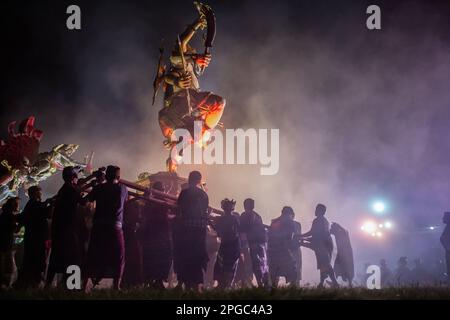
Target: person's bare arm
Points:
(306, 235)
(309, 233)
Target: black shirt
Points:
(8, 226)
(252, 225)
(35, 219)
(193, 203)
(109, 203)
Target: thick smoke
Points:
(362, 114)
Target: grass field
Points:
(429, 293)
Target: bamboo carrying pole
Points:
(167, 199)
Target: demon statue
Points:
(21, 163)
(184, 102)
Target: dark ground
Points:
(425, 293)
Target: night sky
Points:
(362, 114)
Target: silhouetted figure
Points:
(255, 234)
(419, 275)
(297, 252)
(133, 273)
(321, 242)
(67, 242)
(227, 228)
(177, 241)
(244, 272)
(212, 247)
(9, 223)
(35, 217)
(402, 275)
(177, 247)
(364, 275)
(386, 274)
(445, 241)
(192, 257)
(343, 265)
(85, 212)
(156, 242)
(280, 246)
(106, 253)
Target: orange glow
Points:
(167, 132)
(171, 166)
(206, 136)
(203, 141)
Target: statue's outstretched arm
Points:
(187, 35)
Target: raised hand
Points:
(203, 60)
(184, 82)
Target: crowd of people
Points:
(145, 241)
(428, 271)
(406, 273)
